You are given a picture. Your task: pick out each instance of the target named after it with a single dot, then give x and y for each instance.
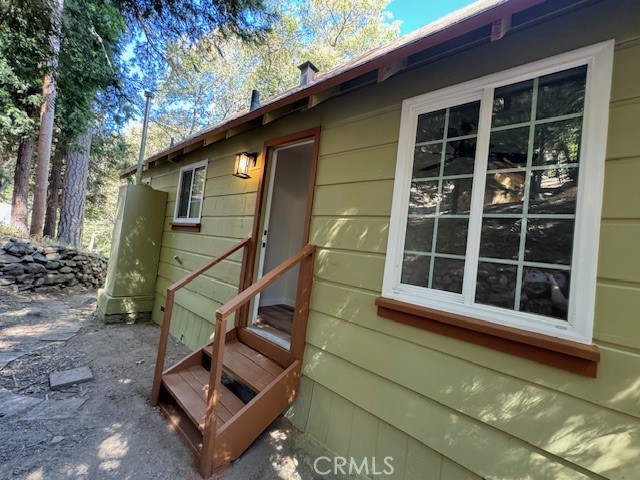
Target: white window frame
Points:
(579, 324)
(186, 168)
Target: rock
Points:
(25, 278)
(4, 258)
(52, 289)
(54, 257)
(39, 281)
(66, 270)
(33, 312)
(35, 268)
(13, 269)
(54, 279)
(27, 259)
(7, 280)
(40, 258)
(57, 439)
(52, 265)
(70, 263)
(50, 250)
(16, 249)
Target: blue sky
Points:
(416, 13)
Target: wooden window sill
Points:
(564, 354)
(185, 227)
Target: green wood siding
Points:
(443, 408)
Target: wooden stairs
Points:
(219, 415)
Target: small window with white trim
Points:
(497, 196)
(190, 193)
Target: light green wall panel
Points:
(625, 73)
(216, 290)
(618, 382)
(621, 192)
(391, 443)
(453, 471)
(229, 205)
(373, 163)
(339, 422)
(319, 412)
(225, 271)
(378, 128)
(207, 246)
(350, 268)
(617, 320)
(623, 120)
(367, 198)
(298, 413)
(364, 434)
(363, 234)
(230, 185)
(497, 400)
(476, 446)
(422, 462)
(619, 257)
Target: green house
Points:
(471, 307)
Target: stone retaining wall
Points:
(26, 265)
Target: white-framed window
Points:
(190, 193)
(498, 192)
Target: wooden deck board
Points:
(188, 389)
(248, 366)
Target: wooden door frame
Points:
(248, 268)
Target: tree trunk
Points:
(20, 199)
(47, 111)
(74, 193)
(53, 193)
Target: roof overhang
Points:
(383, 62)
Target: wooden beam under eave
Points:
(243, 127)
(323, 96)
(276, 114)
(391, 69)
(174, 156)
(193, 146)
(499, 28)
(214, 138)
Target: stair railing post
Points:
(207, 457)
(162, 347)
(242, 315)
(303, 300)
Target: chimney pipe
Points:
(307, 73)
(255, 100)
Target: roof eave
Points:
(450, 32)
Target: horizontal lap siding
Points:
(227, 217)
(468, 406)
(618, 295)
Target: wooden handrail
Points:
(305, 255)
(234, 304)
(168, 310)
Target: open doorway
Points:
(283, 230)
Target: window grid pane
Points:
(548, 192)
(440, 192)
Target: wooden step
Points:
(248, 366)
(190, 388)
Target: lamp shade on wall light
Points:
(244, 161)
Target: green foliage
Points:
(23, 43)
(204, 85)
(109, 154)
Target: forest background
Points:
(73, 77)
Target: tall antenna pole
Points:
(143, 141)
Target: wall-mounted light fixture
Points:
(244, 161)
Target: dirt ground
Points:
(104, 428)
